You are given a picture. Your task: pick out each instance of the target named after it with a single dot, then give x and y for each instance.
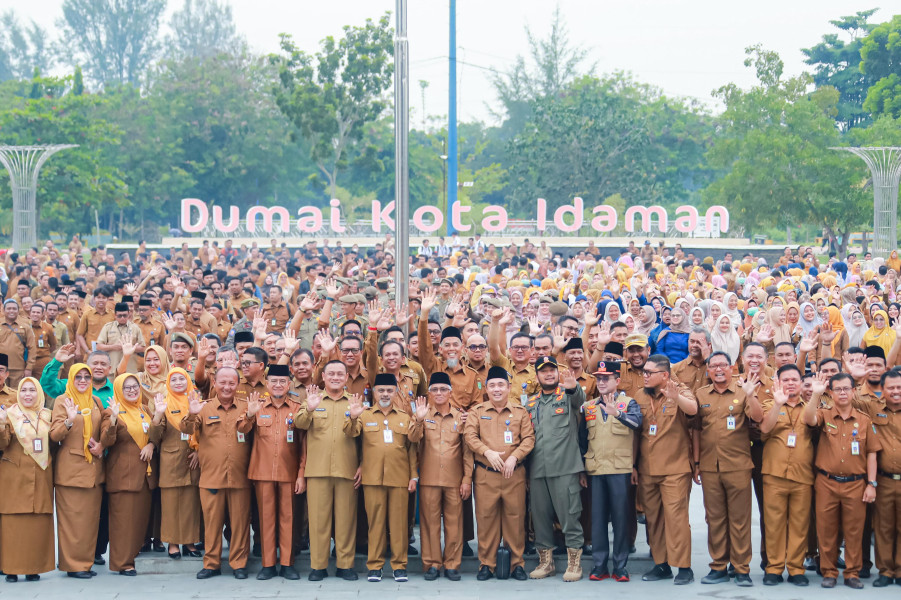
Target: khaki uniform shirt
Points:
(523, 382)
(630, 381)
(45, 342)
(835, 450)
(723, 423)
(11, 337)
(781, 460)
(664, 445)
(444, 458)
(888, 426)
(61, 331)
(330, 451)
(276, 444)
(389, 453)
(112, 333)
(91, 323)
(277, 317)
(690, 375)
(224, 443)
(486, 429)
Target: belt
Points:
(492, 469)
(842, 478)
(895, 476)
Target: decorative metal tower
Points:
(24, 163)
(885, 167)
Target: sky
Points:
(686, 48)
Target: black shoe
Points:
(207, 573)
(12, 578)
(686, 576)
(840, 563)
(199, 546)
(864, 573)
(257, 551)
(661, 571)
(240, 573)
(882, 581)
(346, 574)
(854, 583)
(147, 547)
(715, 576)
(431, 574)
(400, 575)
(99, 560)
(452, 574)
(799, 580)
(158, 546)
(642, 519)
(632, 549)
(586, 550)
(519, 574)
(318, 575)
(128, 573)
(773, 579)
(467, 549)
(374, 575)
(763, 565)
(810, 563)
(743, 580)
(175, 555)
(529, 549)
(412, 551)
(92, 573)
(196, 553)
(289, 572)
(621, 575)
(32, 577)
(80, 574)
(266, 573)
(730, 570)
(484, 573)
(599, 573)
(828, 582)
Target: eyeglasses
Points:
(646, 373)
(519, 348)
(131, 388)
(350, 351)
(82, 378)
(604, 377)
(440, 389)
(247, 363)
(717, 367)
(842, 390)
(434, 331)
(475, 347)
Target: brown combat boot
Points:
(574, 566)
(545, 566)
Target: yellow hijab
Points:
(133, 414)
(85, 403)
(32, 424)
(151, 385)
(884, 338)
(177, 404)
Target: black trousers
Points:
(610, 501)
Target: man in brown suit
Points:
(18, 344)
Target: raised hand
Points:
(159, 404)
(827, 333)
(818, 385)
(356, 406)
(196, 403)
(534, 327)
(609, 405)
(671, 390)
(567, 379)
(71, 410)
(65, 353)
(604, 336)
(374, 312)
(809, 342)
(750, 384)
(314, 397)
(128, 345)
(203, 349)
(114, 412)
(309, 302)
(326, 341)
(591, 316)
(291, 342)
(331, 288)
(428, 299)
(254, 404)
(766, 333)
(169, 323)
(403, 316)
(559, 340)
(507, 316)
(779, 395)
(421, 408)
(259, 328)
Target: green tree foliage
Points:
(114, 40)
(880, 55)
(202, 28)
(22, 49)
(331, 95)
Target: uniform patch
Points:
(486, 418)
(621, 406)
(559, 411)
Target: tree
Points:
(836, 63)
(21, 49)
(202, 28)
(880, 55)
(115, 40)
(329, 96)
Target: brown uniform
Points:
(331, 466)
(523, 381)
(223, 436)
(691, 375)
(17, 342)
(45, 346)
(78, 487)
(91, 323)
(274, 464)
(726, 474)
(179, 496)
(465, 391)
(630, 380)
(388, 464)
(411, 379)
(445, 463)
(196, 327)
(664, 477)
(71, 319)
(500, 503)
(840, 482)
(277, 317)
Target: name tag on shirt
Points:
(855, 448)
(508, 437)
(185, 437)
(791, 441)
(240, 437)
(730, 422)
(652, 430)
(290, 436)
(388, 435)
(38, 445)
(145, 427)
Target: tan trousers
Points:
(386, 507)
(786, 505)
(276, 503)
(434, 503)
(234, 502)
(840, 507)
(331, 498)
(77, 523)
(500, 510)
(727, 504)
(887, 525)
(665, 501)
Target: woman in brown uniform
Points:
(179, 474)
(78, 472)
(26, 504)
(130, 433)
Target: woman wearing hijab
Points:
(775, 330)
(76, 423)
(894, 262)
(648, 320)
(673, 342)
(130, 433)
(179, 475)
(854, 330)
(880, 334)
(724, 338)
(665, 315)
(809, 320)
(26, 501)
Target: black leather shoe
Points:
(158, 546)
(743, 580)
(529, 549)
(318, 575)
(642, 519)
(191, 553)
(346, 574)
(799, 580)
(175, 555)
(207, 573)
(828, 582)
(431, 574)
(412, 551)
(467, 549)
(128, 573)
(864, 573)
(92, 573)
(452, 574)
(854, 583)
(686, 576)
(716, 577)
(80, 574)
(289, 572)
(12, 578)
(266, 573)
(773, 579)
(519, 574)
(33, 577)
(810, 563)
(256, 551)
(240, 573)
(882, 581)
(484, 573)
(99, 560)
(661, 571)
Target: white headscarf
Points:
(725, 342)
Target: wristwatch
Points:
(873, 483)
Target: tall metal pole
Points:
(452, 119)
(401, 156)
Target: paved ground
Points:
(164, 579)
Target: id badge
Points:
(93, 346)
(523, 399)
(508, 437)
(388, 435)
(273, 322)
(145, 427)
(790, 442)
(240, 437)
(290, 436)
(855, 448)
(40, 343)
(185, 437)
(652, 430)
(730, 422)
(38, 445)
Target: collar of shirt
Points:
(853, 415)
(507, 406)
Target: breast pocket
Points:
(619, 429)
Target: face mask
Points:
(752, 311)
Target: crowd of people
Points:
(531, 400)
